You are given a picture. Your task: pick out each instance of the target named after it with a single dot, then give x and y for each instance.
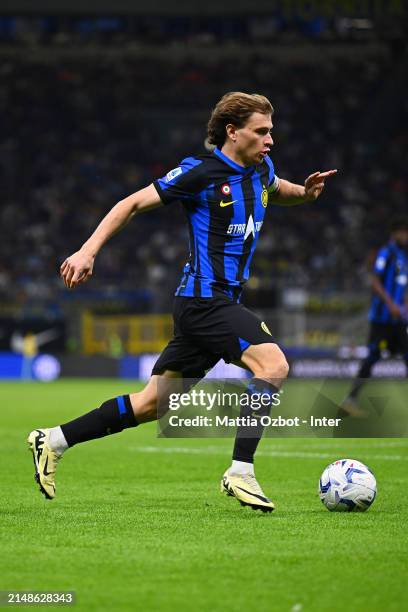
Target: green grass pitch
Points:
(139, 524)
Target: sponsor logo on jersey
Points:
(265, 328)
(250, 228)
(173, 173)
(264, 196)
(247, 229)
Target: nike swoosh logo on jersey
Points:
(222, 203)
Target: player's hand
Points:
(395, 310)
(77, 269)
(314, 184)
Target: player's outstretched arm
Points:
(290, 194)
(378, 288)
(77, 268)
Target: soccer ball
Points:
(347, 486)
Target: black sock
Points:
(364, 372)
(111, 417)
(247, 438)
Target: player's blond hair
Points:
(234, 107)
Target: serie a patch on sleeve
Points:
(173, 173)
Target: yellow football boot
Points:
(45, 461)
(245, 488)
(350, 408)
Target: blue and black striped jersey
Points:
(391, 267)
(225, 204)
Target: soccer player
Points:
(388, 311)
(225, 195)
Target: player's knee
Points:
(285, 368)
(274, 365)
(280, 369)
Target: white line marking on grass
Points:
(214, 450)
(369, 443)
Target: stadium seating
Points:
(85, 129)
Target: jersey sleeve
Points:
(273, 180)
(381, 261)
(181, 183)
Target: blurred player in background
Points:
(225, 195)
(388, 313)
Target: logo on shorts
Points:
(265, 328)
(264, 196)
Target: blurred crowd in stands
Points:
(285, 23)
(80, 132)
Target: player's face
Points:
(254, 140)
(401, 237)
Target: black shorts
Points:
(207, 330)
(390, 336)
